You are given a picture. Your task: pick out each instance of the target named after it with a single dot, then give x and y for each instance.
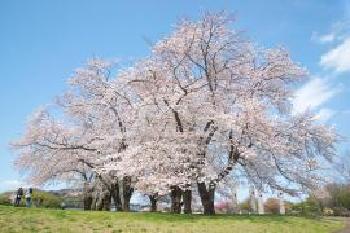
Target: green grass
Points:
(46, 220)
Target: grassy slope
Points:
(45, 220)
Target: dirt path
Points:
(347, 227)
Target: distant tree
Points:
(46, 199)
(333, 195)
(272, 205)
(309, 207)
(6, 199)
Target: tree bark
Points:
(207, 197)
(187, 199)
(87, 196)
(114, 189)
(127, 192)
(94, 201)
(99, 205)
(175, 199)
(107, 201)
(153, 199)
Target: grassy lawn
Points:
(46, 220)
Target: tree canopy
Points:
(204, 103)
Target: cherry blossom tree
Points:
(220, 102)
(90, 130)
(206, 102)
(49, 151)
(106, 106)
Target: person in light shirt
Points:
(28, 197)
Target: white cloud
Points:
(327, 38)
(325, 114)
(313, 94)
(338, 58)
(6, 185)
(338, 31)
(11, 182)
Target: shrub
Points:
(45, 199)
(6, 199)
(341, 211)
(308, 208)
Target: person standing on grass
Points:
(29, 197)
(19, 196)
(63, 205)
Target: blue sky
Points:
(42, 42)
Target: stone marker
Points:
(282, 206)
(260, 203)
(252, 201)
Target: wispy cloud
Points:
(338, 32)
(337, 58)
(326, 38)
(314, 94)
(325, 114)
(9, 184)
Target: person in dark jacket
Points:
(19, 196)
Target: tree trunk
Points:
(175, 199)
(98, 200)
(114, 189)
(94, 201)
(187, 199)
(127, 192)
(107, 201)
(153, 199)
(207, 197)
(99, 204)
(87, 196)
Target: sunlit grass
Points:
(46, 220)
